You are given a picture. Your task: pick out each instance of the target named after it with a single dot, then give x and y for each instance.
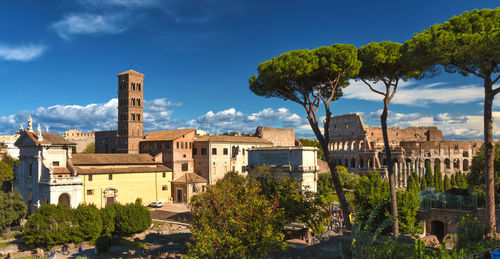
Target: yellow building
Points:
(109, 178)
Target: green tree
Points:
(90, 149)
(108, 216)
(7, 168)
(312, 143)
(313, 79)
(232, 219)
(12, 209)
(423, 184)
(131, 218)
(296, 204)
(447, 183)
(453, 181)
(369, 191)
(384, 62)
(51, 225)
(89, 221)
(438, 178)
(468, 44)
(429, 176)
(409, 204)
(476, 179)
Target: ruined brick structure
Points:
(360, 149)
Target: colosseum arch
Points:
(465, 165)
(447, 163)
(361, 164)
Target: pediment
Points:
(25, 140)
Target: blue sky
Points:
(59, 61)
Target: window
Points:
(203, 151)
(195, 151)
(90, 178)
(138, 117)
(55, 163)
(456, 146)
(133, 86)
(31, 170)
(164, 188)
(466, 154)
(90, 192)
(225, 151)
(190, 146)
(164, 175)
(346, 125)
(214, 151)
(177, 145)
(110, 177)
(184, 167)
(243, 169)
(139, 101)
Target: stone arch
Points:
(64, 199)
(438, 229)
(447, 163)
(466, 165)
(437, 161)
(370, 163)
(353, 163)
(346, 163)
(384, 161)
(361, 164)
(456, 164)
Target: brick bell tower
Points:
(130, 106)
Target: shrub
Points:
(12, 209)
(108, 215)
(131, 219)
(89, 221)
(103, 243)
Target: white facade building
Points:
(298, 162)
(42, 176)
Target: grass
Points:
(2, 244)
(157, 224)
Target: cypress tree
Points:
(453, 181)
(423, 184)
(438, 180)
(447, 183)
(429, 177)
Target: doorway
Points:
(179, 195)
(437, 229)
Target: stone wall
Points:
(279, 137)
(105, 141)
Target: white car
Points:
(156, 204)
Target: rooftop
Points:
(166, 135)
(233, 139)
(112, 159)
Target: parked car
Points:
(156, 204)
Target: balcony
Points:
(73, 180)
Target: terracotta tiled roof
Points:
(130, 71)
(166, 135)
(49, 138)
(61, 170)
(112, 159)
(233, 139)
(190, 178)
(121, 170)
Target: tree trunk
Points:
(332, 164)
(390, 169)
(489, 156)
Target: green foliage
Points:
(461, 180)
(51, 225)
(369, 192)
(296, 204)
(108, 216)
(90, 149)
(232, 219)
(7, 168)
(103, 243)
(423, 184)
(429, 176)
(453, 181)
(312, 143)
(372, 191)
(475, 178)
(54, 225)
(447, 183)
(438, 180)
(12, 209)
(325, 181)
(89, 221)
(131, 219)
(467, 44)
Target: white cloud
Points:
(21, 53)
(453, 126)
(421, 95)
(74, 24)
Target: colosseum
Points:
(360, 149)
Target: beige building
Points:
(187, 185)
(216, 155)
(109, 178)
(82, 140)
(300, 163)
(175, 147)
